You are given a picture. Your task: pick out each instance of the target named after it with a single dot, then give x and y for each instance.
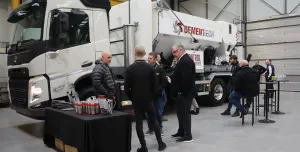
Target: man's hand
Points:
(169, 79)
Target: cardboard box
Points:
(70, 149)
(59, 144)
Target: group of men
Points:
(145, 85)
(244, 83)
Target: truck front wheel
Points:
(217, 92)
(86, 92)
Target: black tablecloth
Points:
(88, 133)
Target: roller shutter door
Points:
(278, 40)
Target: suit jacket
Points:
(183, 78)
(140, 83)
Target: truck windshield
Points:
(28, 23)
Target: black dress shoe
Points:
(162, 146)
(177, 135)
(186, 139)
(226, 113)
(142, 150)
(236, 114)
(193, 112)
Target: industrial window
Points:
(77, 26)
(230, 29)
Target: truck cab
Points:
(55, 44)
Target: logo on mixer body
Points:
(179, 28)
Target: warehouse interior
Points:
(267, 29)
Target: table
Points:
(89, 133)
(278, 112)
(266, 105)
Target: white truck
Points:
(56, 43)
(3, 78)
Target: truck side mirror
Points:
(59, 30)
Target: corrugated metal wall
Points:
(279, 40)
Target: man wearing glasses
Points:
(183, 86)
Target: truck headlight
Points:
(126, 103)
(35, 93)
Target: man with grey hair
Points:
(183, 88)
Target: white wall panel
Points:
(274, 23)
(275, 51)
(274, 35)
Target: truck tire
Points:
(217, 93)
(86, 92)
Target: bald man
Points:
(246, 86)
(102, 76)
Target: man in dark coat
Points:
(102, 76)
(140, 87)
(234, 70)
(183, 88)
(260, 69)
(160, 99)
(246, 85)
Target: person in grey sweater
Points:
(102, 76)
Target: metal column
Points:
(285, 6)
(206, 9)
(244, 26)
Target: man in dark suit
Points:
(140, 87)
(183, 86)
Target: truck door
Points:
(71, 53)
(69, 33)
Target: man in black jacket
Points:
(234, 70)
(160, 100)
(246, 85)
(102, 76)
(140, 87)
(260, 69)
(183, 86)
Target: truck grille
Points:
(18, 89)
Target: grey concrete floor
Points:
(211, 132)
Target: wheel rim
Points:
(218, 93)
